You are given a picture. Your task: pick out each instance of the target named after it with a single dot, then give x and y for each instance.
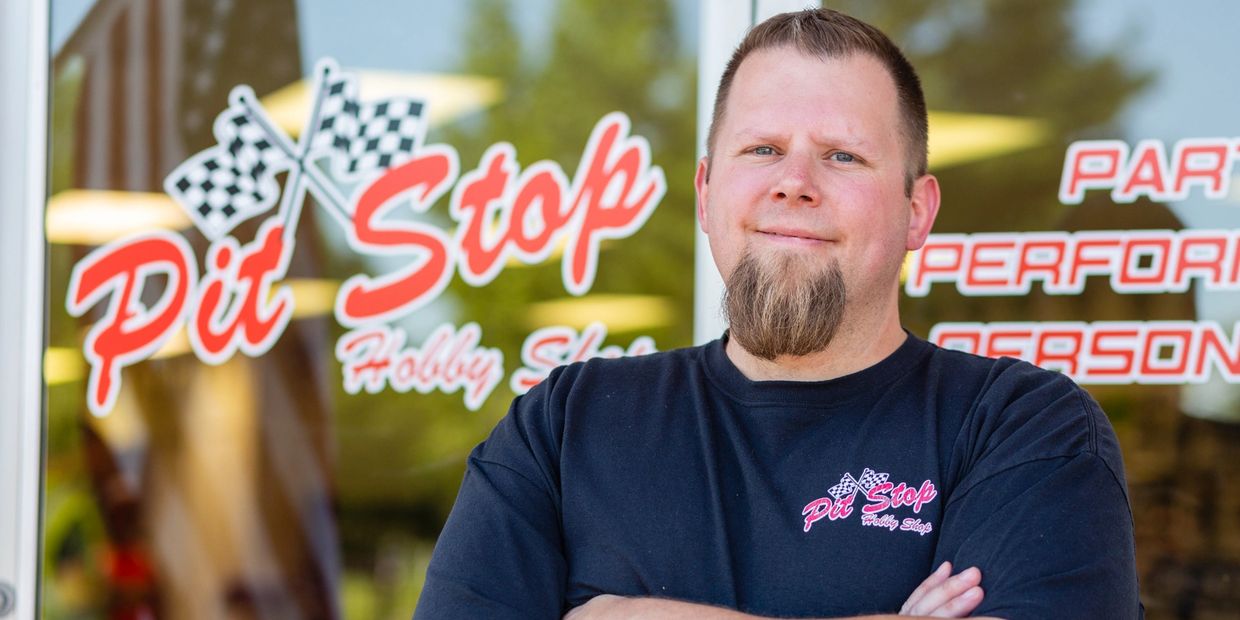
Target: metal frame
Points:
(24, 52)
(723, 25)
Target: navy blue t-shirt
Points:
(673, 475)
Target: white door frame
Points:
(723, 24)
(24, 54)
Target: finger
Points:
(961, 605)
(939, 575)
(948, 590)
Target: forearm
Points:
(626, 608)
(622, 608)
(940, 595)
(647, 608)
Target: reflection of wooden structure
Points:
(213, 482)
(214, 485)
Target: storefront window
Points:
(281, 316)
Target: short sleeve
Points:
(1052, 534)
(500, 554)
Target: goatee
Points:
(773, 310)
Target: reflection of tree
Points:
(402, 457)
(601, 56)
(1008, 58)
(1021, 58)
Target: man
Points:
(818, 461)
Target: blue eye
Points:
(843, 157)
(764, 150)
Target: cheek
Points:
(733, 199)
(876, 217)
(726, 254)
(724, 232)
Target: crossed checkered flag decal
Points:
(849, 485)
(364, 137)
(228, 183)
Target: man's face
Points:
(808, 176)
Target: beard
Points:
(780, 307)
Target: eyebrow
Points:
(753, 135)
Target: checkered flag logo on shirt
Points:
(228, 183)
(870, 479)
(849, 485)
(846, 487)
(364, 137)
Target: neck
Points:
(854, 347)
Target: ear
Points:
(924, 207)
(699, 182)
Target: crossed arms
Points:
(941, 595)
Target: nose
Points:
(795, 185)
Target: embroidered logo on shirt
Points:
(880, 494)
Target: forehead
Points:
(783, 88)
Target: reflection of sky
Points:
(372, 34)
(66, 15)
(398, 34)
(1188, 45)
(380, 35)
(411, 36)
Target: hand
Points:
(610, 607)
(594, 608)
(942, 595)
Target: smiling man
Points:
(817, 460)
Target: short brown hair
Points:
(830, 34)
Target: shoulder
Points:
(1003, 394)
(1019, 413)
(591, 401)
(1014, 391)
(599, 384)
(608, 377)
(997, 378)
(1024, 401)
